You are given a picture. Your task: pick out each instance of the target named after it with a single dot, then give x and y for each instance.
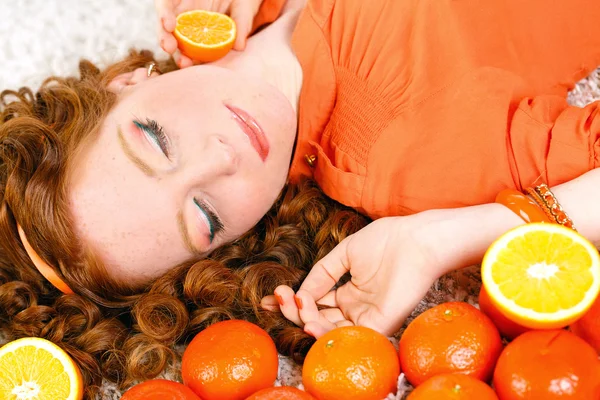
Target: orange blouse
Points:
(411, 105)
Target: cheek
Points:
(250, 204)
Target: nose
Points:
(220, 157)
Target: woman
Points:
(420, 109)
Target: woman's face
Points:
(184, 163)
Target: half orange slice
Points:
(34, 368)
(204, 36)
(542, 276)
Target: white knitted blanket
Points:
(39, 38)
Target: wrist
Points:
(460, 237)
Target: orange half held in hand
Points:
(542, 276)
(205, 36)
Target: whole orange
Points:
(450, 337)
(281, 393)
(506, 327)
(159, 389)
(548, 365)
(351, 363)
(453, 387)
(588, 327)
(230, 360)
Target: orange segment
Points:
(204, 36)
(542, 276)
(34, 368)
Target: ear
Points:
(126, 80)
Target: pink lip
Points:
(252, 129)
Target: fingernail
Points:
(162, 44)
(298, 301)
(309, 332)
(279, 299)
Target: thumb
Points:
(328, 271)
(243, 13)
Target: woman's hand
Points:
(241, 11)
(393, 262)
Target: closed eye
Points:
(215, 226)
(155, 134)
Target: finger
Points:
(343, 323)
(307, 307)
(165, 10)
(309, 313)
(181, 60)
(242, 12)
(288, 306)
(167, 42)
(333, 315)
(329, 300)
(270, 303)
(325, 274)
(315, 329)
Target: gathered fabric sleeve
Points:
(553, 142)
(472, 140)
(410, 105)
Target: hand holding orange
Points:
(245, 13)
(204, 36)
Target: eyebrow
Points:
(145, 168)
(185, 235)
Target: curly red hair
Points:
(110, 329)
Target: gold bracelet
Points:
(548, 202)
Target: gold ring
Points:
(152, 68)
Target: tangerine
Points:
(281, 393)
(230, 360)
(450, 337)
(548, 365)
(588, 327)
(159, 389)
(453, 387)
(506, 327)
(351, 363)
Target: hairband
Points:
(42, 266)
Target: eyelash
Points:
(216, 226)
(157, 132)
